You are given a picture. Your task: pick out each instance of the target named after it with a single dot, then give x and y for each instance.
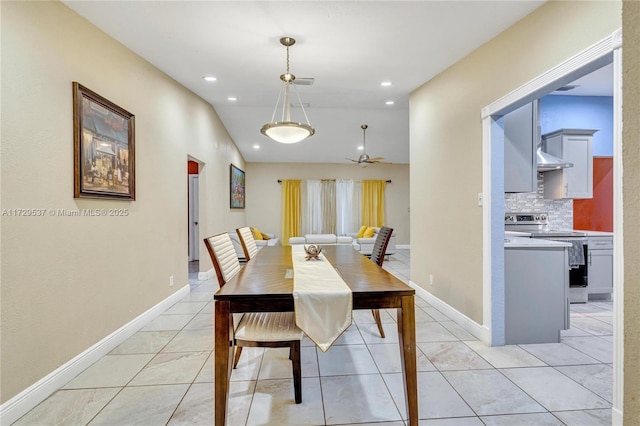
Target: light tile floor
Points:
(163, 375)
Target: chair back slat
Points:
(224, 257)
(248, 243)
(380, 245)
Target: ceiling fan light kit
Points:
(287, 131)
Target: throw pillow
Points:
(361, 231)
(369, 232)
(265, 236)
(257, 235)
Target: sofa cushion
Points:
(320, 238)
(344, 239)
(360, 233)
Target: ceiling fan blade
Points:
(355, 161)
(376, 158)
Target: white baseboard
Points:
(207, 275)
(403, 246)
(478, 330)
(26, 400)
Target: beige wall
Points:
(264, 196)
(631, 200)
(446, 140)
(68, 282)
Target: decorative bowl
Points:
(313, 251)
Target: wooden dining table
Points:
(264, 285)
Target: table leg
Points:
(223, 359)
(407, 338)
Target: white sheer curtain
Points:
(328, 207)
(331, 207)
(348, 205)
(312, 206)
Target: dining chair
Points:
(248, 242)
(256, 329)
(377, 256)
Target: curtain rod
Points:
(333, 180)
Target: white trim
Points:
(479, 331)
(26, 400)
(618, 239)
(593, 57)
(403, 247)
(206, 275)
(616, 42)
(493, 231)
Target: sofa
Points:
(330, 239)
(272, 241)
(365, 245)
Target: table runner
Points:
(322, 300)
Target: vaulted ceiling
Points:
(348, 47)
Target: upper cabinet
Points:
(521, 130)
(574, 146)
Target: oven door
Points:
(579, 275)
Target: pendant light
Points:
(287, 131)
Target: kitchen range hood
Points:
(548, 162)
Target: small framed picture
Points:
(103, 147)
(237, 188)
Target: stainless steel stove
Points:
(536, 225)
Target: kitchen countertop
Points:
(524, 242)
(508, 234)
(596, 233)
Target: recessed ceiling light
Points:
(389, 103)
(256, 147)
(385, 84)
(360, 148)
(209, 78)
(232, 98)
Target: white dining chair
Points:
(256, 329)
(377, 256)
(248, 242)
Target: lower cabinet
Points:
(536, 294)
(600, 264)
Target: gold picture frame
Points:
(103, 147)
(237, 191)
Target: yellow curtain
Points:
(373, 202)
(291, 190)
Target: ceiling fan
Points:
(364, 160)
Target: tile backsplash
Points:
(560, 211)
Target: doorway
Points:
(608, 50)
(193, 215)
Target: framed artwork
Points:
(237, 188)
(103, 147)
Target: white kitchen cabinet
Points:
(574, 146)
(600, 265)
(521, 130)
